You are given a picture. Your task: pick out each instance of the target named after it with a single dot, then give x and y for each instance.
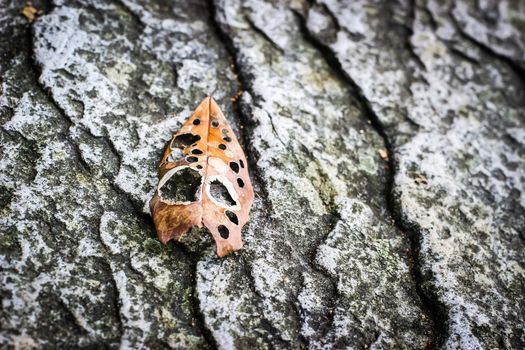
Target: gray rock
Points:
(453, 113)
(386, 145)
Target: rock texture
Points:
(386, 143)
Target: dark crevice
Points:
(136, 18)
(36, 70)
(133, 206)
(408, 45)
(428, 15)
(263, 34)
(329, 13)
(375, 337)
(406, 116)
(240, 115)
(115, 298)
(334, 293)
(113, 150)
(463, 55)
(274, 129)
(200, 322)
(175, 71)
(246, 270)
(488, 51)
(81, 160)
(70, 316)
(430, 304)
(127, 201)
(329, 282)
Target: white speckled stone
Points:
(344, 249)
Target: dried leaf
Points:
(383, 153)
(203, 180)
(29, 11)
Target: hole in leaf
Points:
(192, 159)
(220, 193)
(242, 163)
(233, 218)
(223, 231)
(185, 140)
(234, 166)
(196, 122)
(227, 139)
(215, 123)
(240, 182)
(222, 146)
(199, 166)
(183, 186)
(225, 131)
(196, 151)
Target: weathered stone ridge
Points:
(386, 144)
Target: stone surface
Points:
(386, 144)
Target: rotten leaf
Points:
(203, 181)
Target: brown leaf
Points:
(203, 180)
